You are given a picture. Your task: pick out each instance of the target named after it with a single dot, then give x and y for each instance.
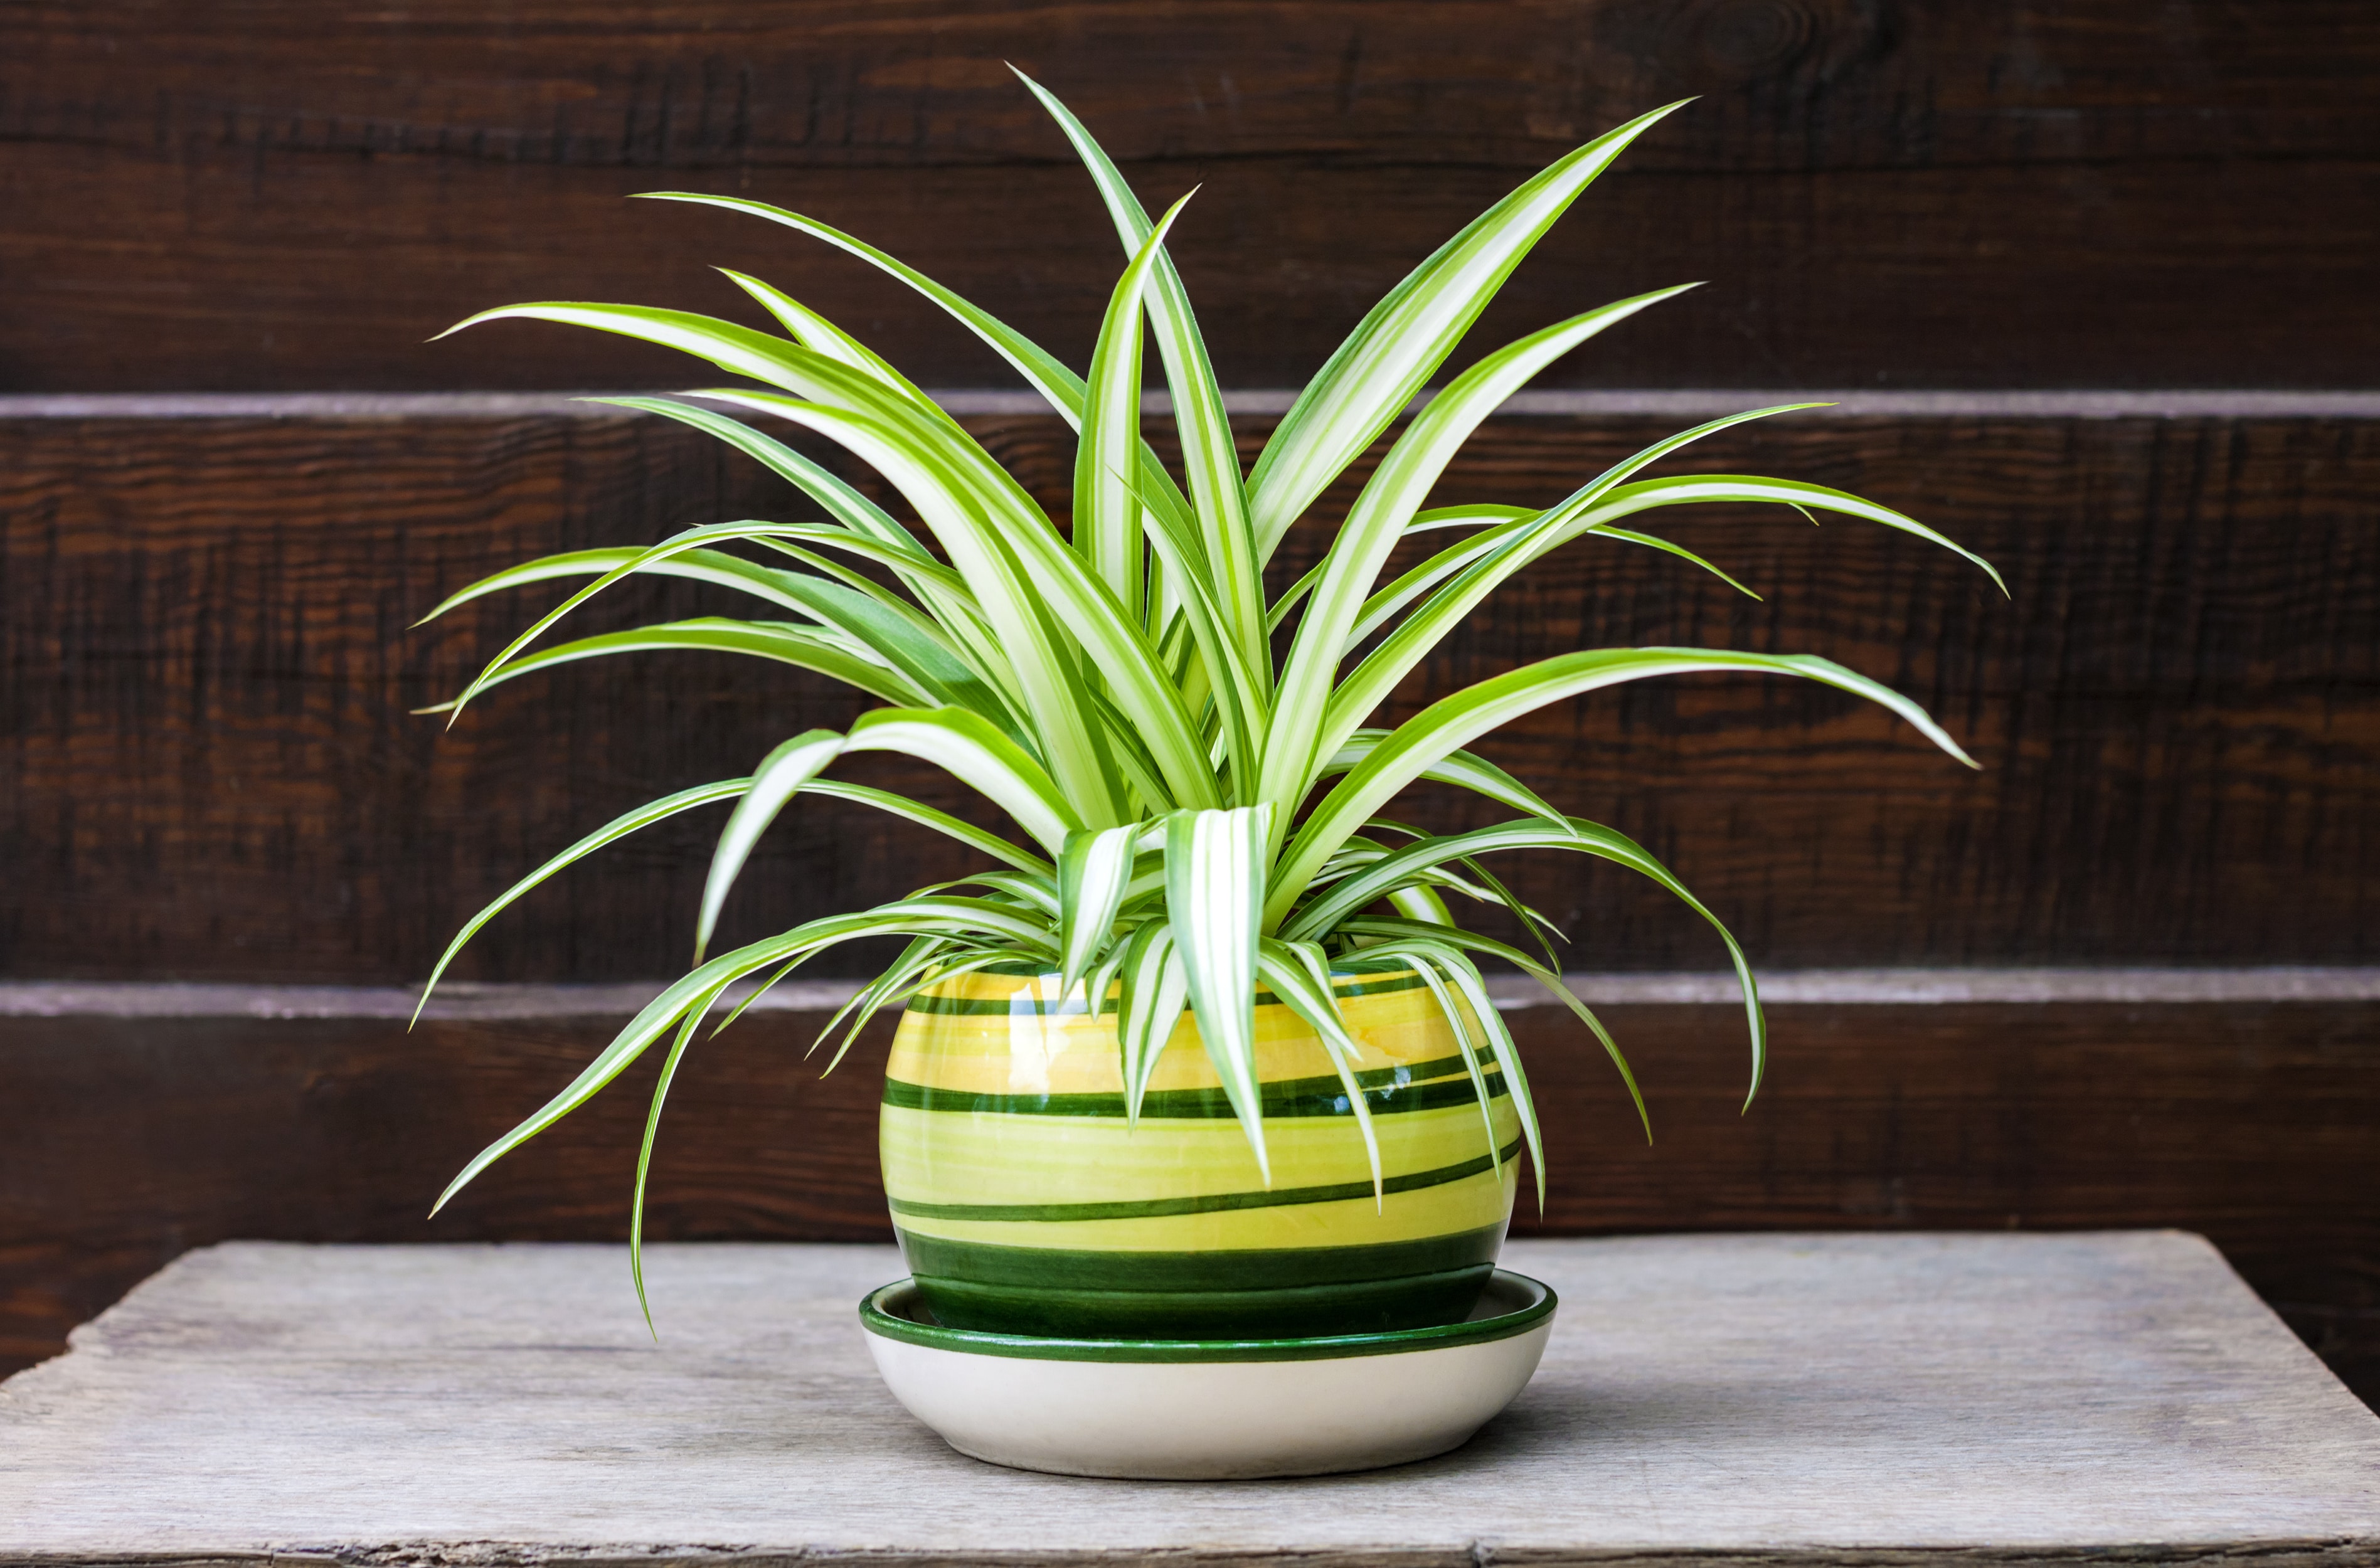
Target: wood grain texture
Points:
(137, 1139)
(2003, 1398)
(243, 195)
(206, 670)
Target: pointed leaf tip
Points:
(458, 326)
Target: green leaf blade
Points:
(1453, 722)
(1409, 333)
(1214, 891)
(777, 780)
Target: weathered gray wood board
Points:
(1822, 1398)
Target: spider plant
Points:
(1189, 762)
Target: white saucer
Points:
(1211, 1409)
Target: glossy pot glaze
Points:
(1026, 1205)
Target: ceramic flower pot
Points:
(1026, 1205)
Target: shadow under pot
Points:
(1026, 1204)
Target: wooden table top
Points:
(1812, 1398)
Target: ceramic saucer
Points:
(1211, 1409)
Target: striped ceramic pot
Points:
(1026, 1204)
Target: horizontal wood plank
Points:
(205, 659)
(262, 195)
(136, 1139)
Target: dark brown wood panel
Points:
(137, 1139)
(213, 772)
(230, 195)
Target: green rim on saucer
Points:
(1515, 1302)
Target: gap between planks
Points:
(1683, 403)
(1814, 988)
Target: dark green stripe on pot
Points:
(1411, 1301)
(1238, 1268)
(1229, 1295)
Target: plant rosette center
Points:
(1029, 1199)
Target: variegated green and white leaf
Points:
(611, 832)
(1389, 502)
(963, 745)
(1057, 386)
(1234, 567)
(829, 653)
(843, 503)
(1214, 895)
(1093, 870)
(1155, 988)
(1394, 350)
(1460, 769)
(693, 1021)
(1106, 511)
(1299, 975)
(780, 775)
(819, 336)
(1030, 584)
(1452, 723)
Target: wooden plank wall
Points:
(1913, 192)
(209, 771)
(218, 775)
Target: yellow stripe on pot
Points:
(1476, 1201)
